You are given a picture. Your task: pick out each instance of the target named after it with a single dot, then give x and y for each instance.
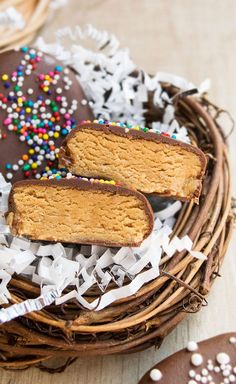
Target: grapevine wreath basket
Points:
(138, 321)
(20, 21)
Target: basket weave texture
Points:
(140, 321)
(34, 13)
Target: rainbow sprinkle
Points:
(128, 127)
(68, 176)
(37, 120)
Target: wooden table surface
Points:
(195, 39)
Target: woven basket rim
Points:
(144, 319)
(35, 14)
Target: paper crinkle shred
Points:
(115, 88)
(55, 267)
(12, 18)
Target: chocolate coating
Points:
(11, 148)
(175, 368)
(137, 134)
(69, 158)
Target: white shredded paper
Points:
(114, 94)
(11, 17)
(55, 266)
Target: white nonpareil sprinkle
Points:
(192, 373)
(192, 346)
(204, 372)
(210, 367)
(9, 175)
(232, 340)
(222, 358)
(155, 375)
(196, 359)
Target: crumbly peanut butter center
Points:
(73, 215)
(148, 166)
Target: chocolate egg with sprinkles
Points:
(40, 103)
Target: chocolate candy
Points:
(151, 162)
(40, 102)
(79, 211)
(211, 361)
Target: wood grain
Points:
(195, 39)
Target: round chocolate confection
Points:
(211, 361)
(40, 102)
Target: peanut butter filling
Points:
(72, 215)
(146, 165)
